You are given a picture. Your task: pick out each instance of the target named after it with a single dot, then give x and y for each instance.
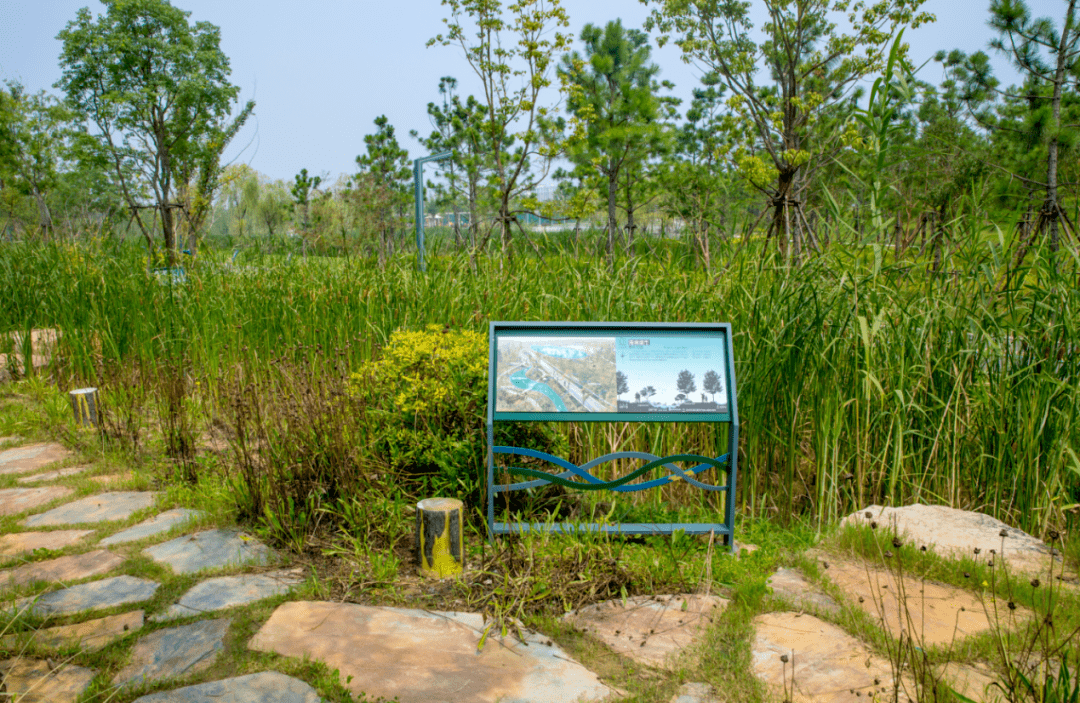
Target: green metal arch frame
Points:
(418, 193)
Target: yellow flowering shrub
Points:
(428, 391)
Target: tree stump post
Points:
(84, 404)
(439, 543)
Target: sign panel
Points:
(596, 371)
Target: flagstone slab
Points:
(174, 651)
(33, 456)
(827, 664)
(426, 656)
(229, 591)
(648, 629)
(936, 613)
(17, 543)
(162, 522)
(53, 475)
(264, 687)
(69, 568)
(89, 636)
(105, 593)
(104, 507)
(695, 693)
(793, 586)
(36, 681)
(113, 478)
(19, 500)
(209, 550)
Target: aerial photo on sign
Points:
(556, 374)
(621, 374)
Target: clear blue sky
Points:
(321, 72)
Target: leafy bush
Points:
(427, 391)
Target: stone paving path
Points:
(416, 655)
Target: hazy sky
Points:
(321, 72)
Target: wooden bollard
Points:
(439, 543)
(84, 403)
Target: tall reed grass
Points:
(861, 379)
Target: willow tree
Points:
(511, 53)
(156, 88)
(786, 128)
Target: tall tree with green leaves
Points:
(156, 88)
(387, 162)
(512, 57)
(613, 91)
(787, 128)
(34, 132)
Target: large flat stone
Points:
(69, 568)
(229, 591)
(425, 657)
(33, 456)
(934, 613)
(648, 629)
(155, 525)
(19, 500)
(35, 681)
(89, 636)
(264, 687)
(105, 593)
(174, 652)
(17, 543)
(53, 475)
(104, 507)
(827, 663)
(209, 550)
(958, 533)
(113, 478)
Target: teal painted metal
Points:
(418, 193)
(718, 336)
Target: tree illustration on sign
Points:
(622, 384)
(711, 384)
(647, 392)
(685, 384)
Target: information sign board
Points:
(639, 374)
(614, 372)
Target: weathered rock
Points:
(89, 636)
(265, 687)
(53, 475)
(104, 507)
(648, 628)
(937, 613)
(19, 500)
(174, 651)
(793, 586)
(105, 593)
(209, 550)
(69, 568)
(958, 533)
(229, 591)
(155, 525)
(33, 456)
(424, 657)
(35, 681)
(695, 693)
(827, 664)
(16, 543)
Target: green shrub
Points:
(427, 392)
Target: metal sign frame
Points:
(418, 193)
(726, 464)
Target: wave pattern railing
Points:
(588, 482)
